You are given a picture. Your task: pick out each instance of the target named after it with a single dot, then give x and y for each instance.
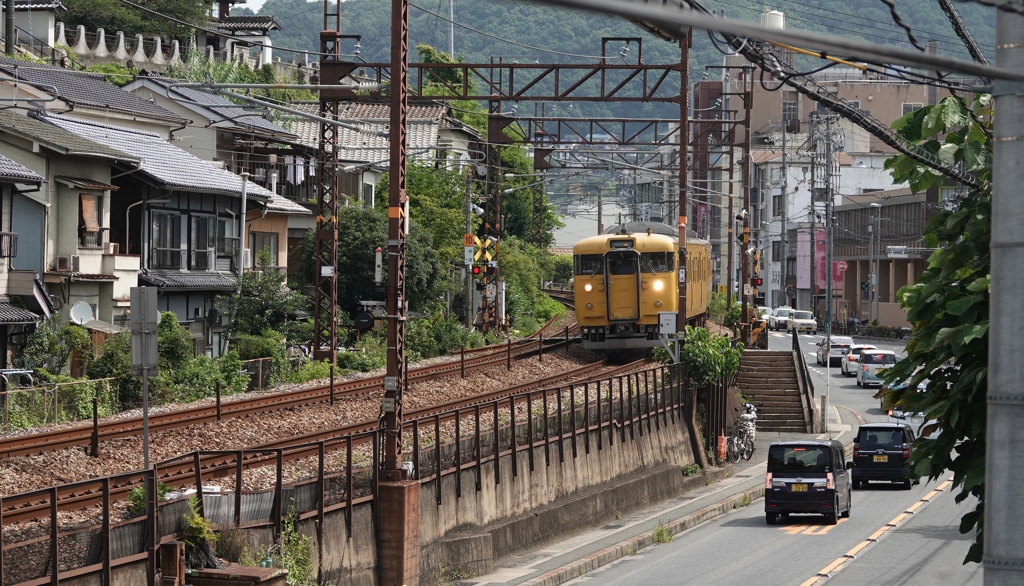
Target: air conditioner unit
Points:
(62, 264)
(76, 262)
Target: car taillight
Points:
(768, 481)
(852, 358)
(865, 368)
(906, 452)
(856, 451)
(830, 481)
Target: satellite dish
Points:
(81, 312)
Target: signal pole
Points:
(1004, 514)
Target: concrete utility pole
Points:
(829, 197)
(1004, 501)
(11, 31)
(469, 230)
(451, 29)
(745, 263)
(872, 277)
(878, 257)
(785, 221)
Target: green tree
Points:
(117, 16)
(50, 346)
(174, 343)
(262, 299)
(708, 357)
(949, 307)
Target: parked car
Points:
(881, 451)
(779, 318)
(849, 362)
(834, 348)
(802, 321)
(763, 312)
(871, 364)
(807, 476)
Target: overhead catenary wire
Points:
(962, 31)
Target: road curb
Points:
(631, 546)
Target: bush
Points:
(314, 370)
(708, 357)
(437, 336)
(137, 498)
(116, 363)
(50, 345)
(369, 354)
(175, 343)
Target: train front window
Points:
(656, 262)
(589, 264)
(621, 263)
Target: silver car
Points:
(832, 350)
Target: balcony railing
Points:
(227, 246)
(97, 239)
(167, 258)
(8, 244)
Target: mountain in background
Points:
(575, 36)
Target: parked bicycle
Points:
(740, 442)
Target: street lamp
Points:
(129, 209)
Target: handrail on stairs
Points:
(806, 374)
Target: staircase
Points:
(768, 379)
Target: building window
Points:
(259, 241)
(203, 244)
(776, 206)
(166, 241)
(790, 111)
(776, 250)
(90, 216)
(909, 107)
(854, 103)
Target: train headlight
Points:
(590, 306)
(588, 287)
(659, 285)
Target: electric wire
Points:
(962, 31)
(906, 27)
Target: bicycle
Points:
(740, 441)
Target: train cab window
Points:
(656, 262)
(622, 263)
(589, 264)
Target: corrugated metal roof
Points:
(247, 23)
(367, 146)
(229, 112)
(85, 89)
(12, 314)
(163, 162)
(54, 5)
(58, 139)
(13, 172)
(188, 280)
(84, 183)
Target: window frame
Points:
(194, 246)
(159, 247)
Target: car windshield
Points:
(842, 341)
(870, 439)
(870, 358)
(799, 459)
(802, 315)
(782, 313)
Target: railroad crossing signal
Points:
(484, 248)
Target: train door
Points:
(623, 289)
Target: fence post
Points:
(566, 336)
(54, 535)
(320, 513)
(106, 530)
(540, 348)
(508, 356)
(239, 456)
(94, 447)
(279, 495)
(216, 389)
(56, 408)
(199, 482)
(152, 539)
(332, 384)
(462, 361)
(259, 381)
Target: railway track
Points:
(87, 493)
(84, 435)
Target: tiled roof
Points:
(283, 205)
(382, 111)
(247, 23)
(85, 89)
(229, 113)
(21, 6)
(12, 314)
(163, 162)
(56, 138)
(367, 146)
(188, 280)
(13, 172)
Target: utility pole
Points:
(469, 230)
(11, 31)
(873, 276)
(745, 266)
(783, 300)
(878, 256)
(600, 213)
(451, 29)
(1004, 513)
(829, 197)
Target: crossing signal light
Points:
(476, 269)
(756, 281)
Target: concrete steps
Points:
(768, 379)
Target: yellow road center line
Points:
(944, 485)
(897, 520)
(853, 552)
(928, 497)
(874, 536)
(810, 581)
(828, 569)
(914, 506)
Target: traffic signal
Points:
(757, 261)
(756, 281)
(476, 270)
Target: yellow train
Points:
(623, 279)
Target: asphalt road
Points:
(924, 547)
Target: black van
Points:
(881, 451)
(807, 476)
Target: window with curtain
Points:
(204, 243)
(90, 234)
(166, 241)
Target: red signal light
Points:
(476, 270)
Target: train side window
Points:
(589, 264)
(656, 262)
